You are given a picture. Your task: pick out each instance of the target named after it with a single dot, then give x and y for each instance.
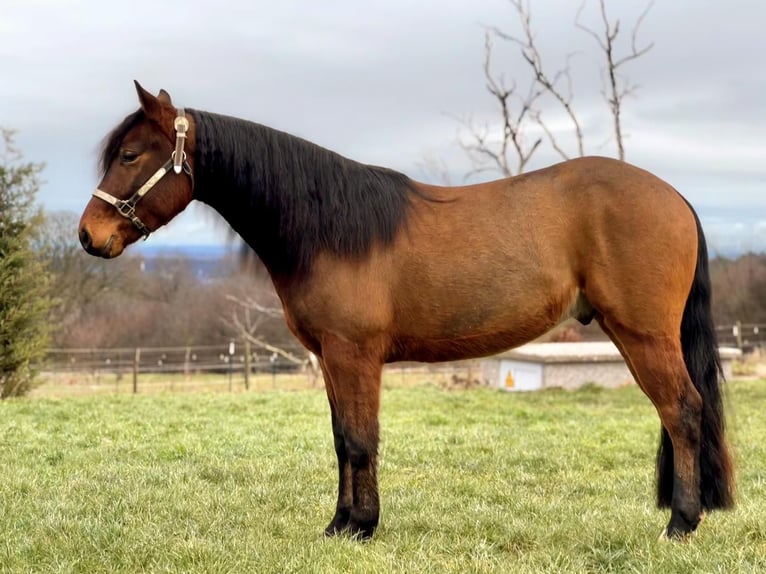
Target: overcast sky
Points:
(381, 82)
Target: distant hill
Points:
(207, 261)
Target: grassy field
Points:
(471, 481)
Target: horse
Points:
(372, 267)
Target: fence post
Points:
(247, 365)
(273, 361)
(739, 334)
(231, 362)
(187, 358)
(136, 363)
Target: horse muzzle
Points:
(99, 249)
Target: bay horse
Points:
(372, 267)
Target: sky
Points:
(387, 83)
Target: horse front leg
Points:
(353, 383)
(342, 516)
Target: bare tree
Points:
(516, 111)
(435, 168)
(522, 113)
(547, 83)
(248, 316)
(77, 280)
(739, 289)
(618, 87)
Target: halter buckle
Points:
(126, 209)
(181, 125)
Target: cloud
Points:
(375, 84)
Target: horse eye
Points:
(128, 157)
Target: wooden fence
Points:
(232, 367)
(227, 361)
(744, 336)
(236, 366)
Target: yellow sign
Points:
(509, 382)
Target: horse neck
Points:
(236, 174)
(290, 199)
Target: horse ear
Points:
(149, 103)
(164, 97)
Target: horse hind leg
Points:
(658, 365)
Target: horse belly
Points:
(438, 350)
(486, 324)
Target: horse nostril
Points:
(85, 239)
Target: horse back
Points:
(482, 268)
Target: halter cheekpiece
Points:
(177, 162)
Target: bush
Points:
(23, 278)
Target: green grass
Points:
(471, 481)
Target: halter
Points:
(177, 161)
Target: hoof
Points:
(675, 536)
(344, 523)
(682, 525)
(351, 529)
(339, 525)
(332, 530)
(339, 522)
(362, 530)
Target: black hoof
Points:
(352, 528)
(335, 528)
(362, 530)
(339, 523)
(331, 531)
(680, 528)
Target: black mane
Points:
(290, 199)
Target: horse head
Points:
(150, 151)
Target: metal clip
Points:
(125, 208)
(181, 125)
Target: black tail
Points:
(700, 349)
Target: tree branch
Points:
(247, 325)
(274, 349)
(480, 149)
(617, 90)
(531, 54)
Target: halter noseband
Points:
(177, 161)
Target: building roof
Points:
(590, 352)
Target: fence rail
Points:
(745, 336)
(182, 363)
(215, 367)
(236, 366)
(159, 359)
